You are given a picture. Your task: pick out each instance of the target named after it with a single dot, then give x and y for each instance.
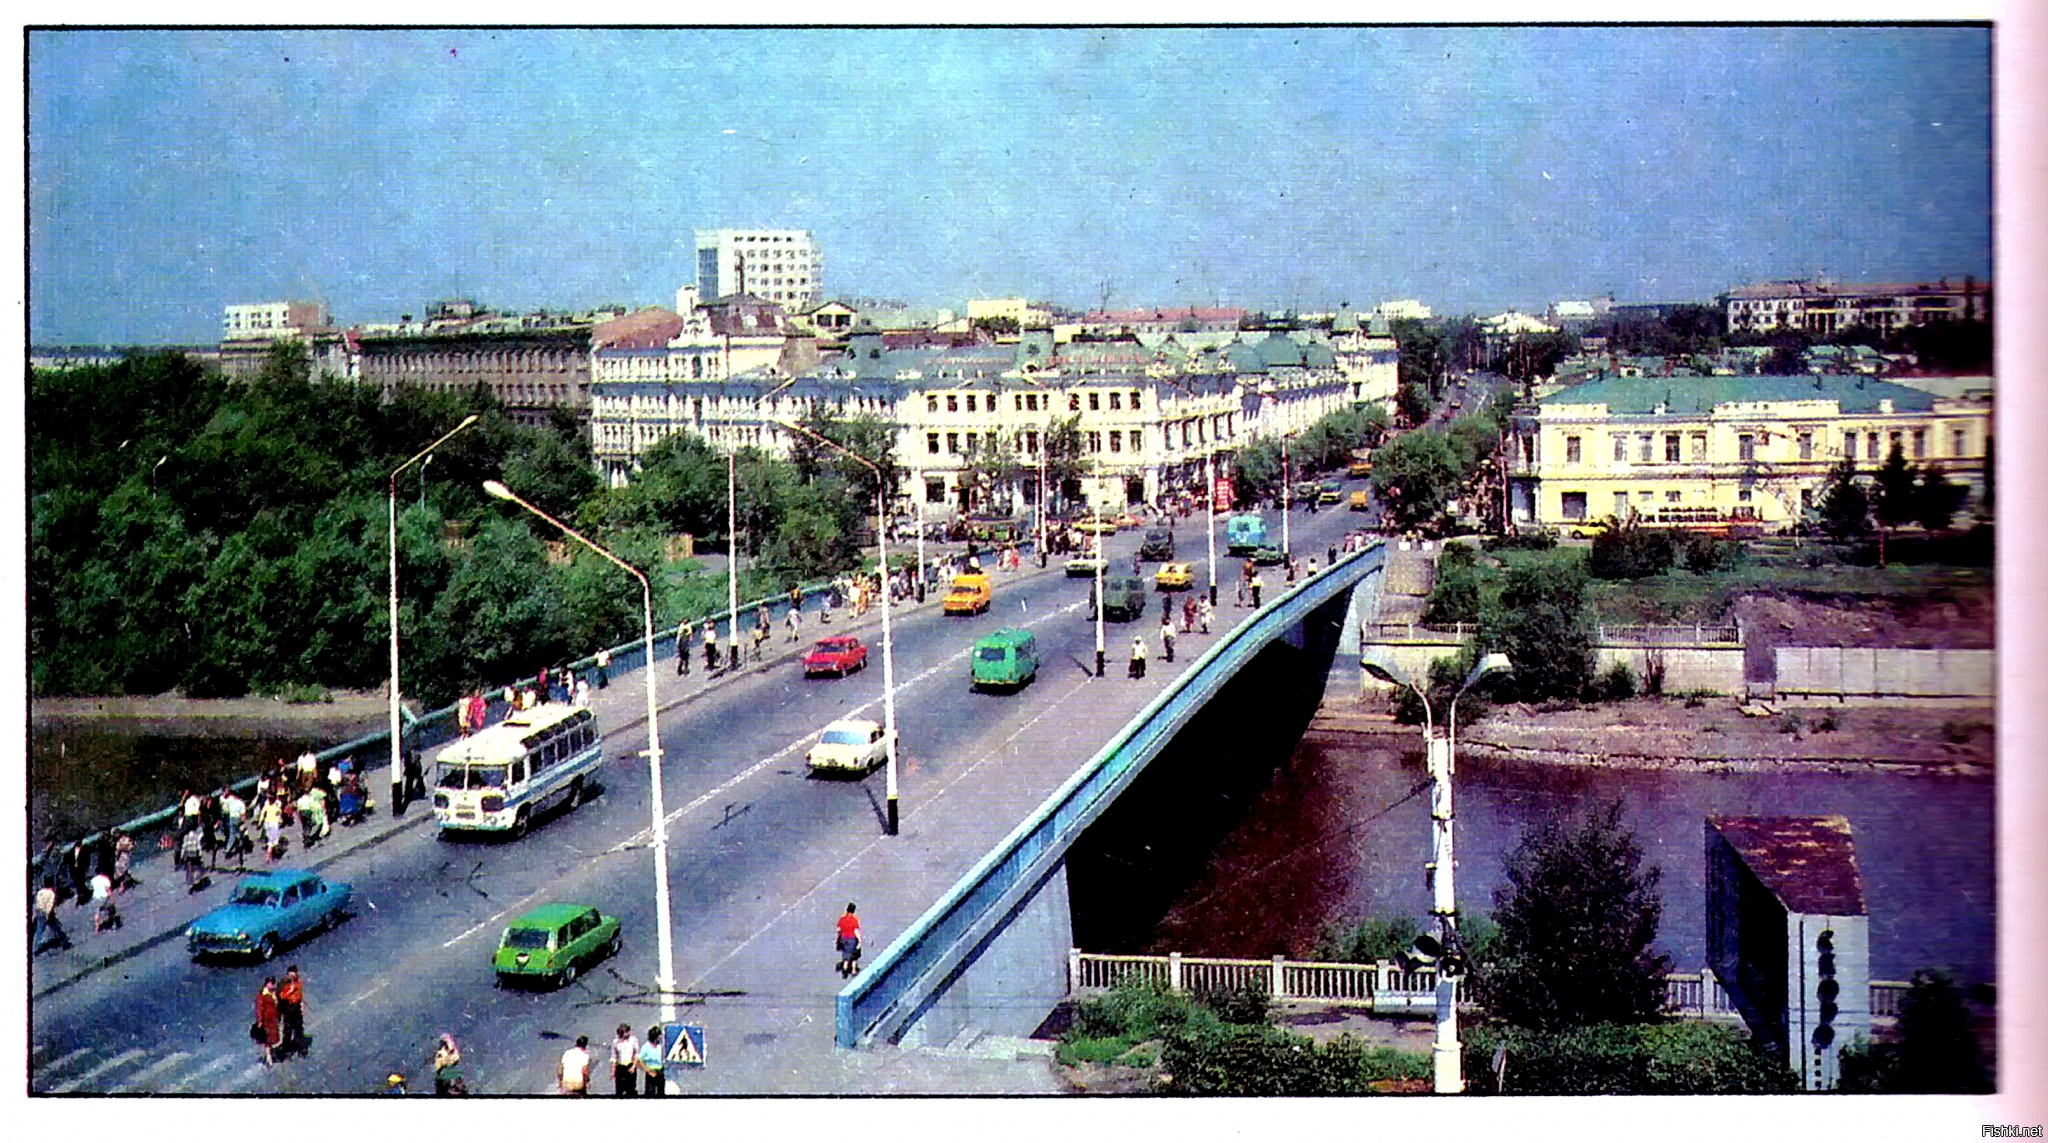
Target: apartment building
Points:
(780, 266)
(1716, 452)
(533, 363)
(1822, 307)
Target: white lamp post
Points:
(391, 533)
(1441, 753)
(665, 976)
(732, 557)
(888, 638)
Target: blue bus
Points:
(1245, 533)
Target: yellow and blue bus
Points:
(503, 777)
(1245, 533)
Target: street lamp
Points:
(1442, 762)
(888, 639)
(391, 533)
(665, 976)
(1286, 498)
(732, 557)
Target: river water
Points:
(1343, 831)
(83, 778)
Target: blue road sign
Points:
(683, 1044)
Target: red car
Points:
(836, 655)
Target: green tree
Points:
(1454, 597)
(1542, 626)
(1577, 916)
(1936, 1051)
(1064, 462)
(1415, 475)
(1844, 508)
(990, 466)
(1936, 499)
(1411, 400)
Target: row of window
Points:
(1692, 447)
(1031, 402)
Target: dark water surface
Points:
(85, 778)
(1342, 833)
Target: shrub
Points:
(1825, 723)
(1629, 552)
(1790, 723)
(1132, 1011)
(1075, 1050)
(1246, 1004)
(1531, 541)
(300, 693)
(1702, 553)
(1375, 938)
(1618, 683)
(1240, 1060)
(1454, 598)
(1681, 1058)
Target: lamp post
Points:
(391, 535)
(732, 557)
(917, 494)
(1286, 500)
(1101, 569)
(665, 976)
(1441, 754)
(888, 639)
(424, 462)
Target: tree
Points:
(1454, 598)
(1936, 1051)
(1411, 400)
(1577, 916)
(1542, 627)
(1936, 499)
(1063, 458)
(989, 466)
(1844, 508)
(1415, 475)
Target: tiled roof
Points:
(1809, 863)
(1698, 396)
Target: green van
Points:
(1123, 598)
(1005, 658)
(553, 943)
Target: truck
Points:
(1245, 533)
(1157, 545)
(969, 594)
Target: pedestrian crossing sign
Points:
(683, 1044)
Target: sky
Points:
(174, 172)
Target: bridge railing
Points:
(908, 971)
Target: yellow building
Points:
(1715, 452)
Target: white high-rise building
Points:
(781, 266)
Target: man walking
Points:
(1137, 656)
(572, 1074)
(291, 1011)
(1166, 635)
(710, 646)
(625, 1054)
(1258, 587)
(604, 668)
(48, 934)
(235, 810)
(683, 634)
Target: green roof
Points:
(1279, 350)
(1699, 395)
(548, 916)
(1004, 637)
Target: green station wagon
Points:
(553, 943)
(1005, 658)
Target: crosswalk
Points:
(111, 1070)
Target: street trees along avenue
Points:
(220, 537)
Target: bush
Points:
(1240, 1060)
(301, 693)
(1375, 938)
(1629, 552)
(1702, 554)
(1133, 1012)
(1618, 683)
(1246, 1004)
(1681, 1058)
(1454, 598)
(1530, 541)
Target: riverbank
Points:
(176, 714)
(1715, 736)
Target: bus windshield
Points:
(460, 777)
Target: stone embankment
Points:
(1714, 736)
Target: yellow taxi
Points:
(1361, 500)
(1174, 577)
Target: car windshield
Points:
(844, 737)
(992, 654)
(255, 895)
(459, 777)
(526, 938)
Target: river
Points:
(1343, 831)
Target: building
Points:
(1788, 935)
(1400, 309)
(1193, 319)
(1822, 307)
(533, 363)
(1018, 312)
(780, 266)
(247, 333)
(1720, 452)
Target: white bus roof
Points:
(501, 741)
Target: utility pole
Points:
(732, 556)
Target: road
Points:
(761, 860)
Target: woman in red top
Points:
(849, 942)
(266, 1030)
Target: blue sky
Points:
(172, 173)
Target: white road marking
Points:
(57, 1064)
(247, 1077)
(136, 1081)
(104, 1067)
(373, 991)
(469, 932)
(188, 1081)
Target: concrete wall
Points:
(1686, 668)
(1014, 976)
(1884, 672)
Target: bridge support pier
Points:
(1014, 976)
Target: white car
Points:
(850, 745)
(1086, 565)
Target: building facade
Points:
(780, 266)
(533, 363)
(1822, 307)
(247, 333)
(1715, 452)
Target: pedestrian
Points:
(48, 932)
(1311, 567)
(710, 646)
(104, 916)
(793, 619)
(604, 668)
(448, 1068)
(1293, 568)
(848, 942)
(234, 812)
(1187, 613)
(309, 764)
(625, 1057)
(124, 857)
(291, 1010)
(1258, 587)
(572, 1074)
(210, 833)
(188, 811)
(265, 1031)
(78, 871)
(189, 855)
(103, 854)
(582, 692)
(394, 1084)
(684, 632)
(1242, 583)
(651, 1063)
(1204, 614)
(1166, 636)
(479, 708)
(528, 699)
(273, 826)
(1137, 656)
(825, 604)
(463, 728)
(308, 806)
(415, 778)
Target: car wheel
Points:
(521, 823)
(611, 948)
(331, 921)
(564, 977)
(266, 948)
(577, 793)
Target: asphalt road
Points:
(756, 847)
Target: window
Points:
(1743, 496)
(1919, 444)
(1094, 402)
(931, 443)
(1031, 440)
(1620, 449)
(952, 403)
(1621, 505)
(970, 442)
(1671, 497)
(1956, 440)
(935, 491)
(953, 442)
(1870, 445)
(1116, 437)
(1073, 402)
(1745, 447)
(1134, 399)
(1116, 400)
(1699, 448)
(1898, 443)
(1573, 505)
(1020, 402)
(970, 402)
(1094, 442)
(1571, 450)
(1671, 448)
(1849, 445)
(1805, 446)
(1643, 448)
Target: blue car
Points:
(267, 912)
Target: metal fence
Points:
(906, 973)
